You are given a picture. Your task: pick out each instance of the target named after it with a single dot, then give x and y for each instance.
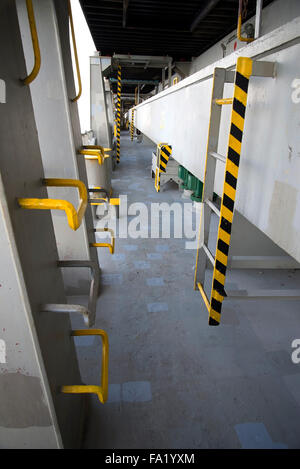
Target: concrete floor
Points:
(174, 381)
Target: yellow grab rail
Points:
(93, 155)
(100, 148)
(111, 246)
(112, 201)
(35, 45)
(239, 26)
(102, 390)
(74, 217)
(222, 101)
(75, 54)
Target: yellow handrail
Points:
(35, 45)
(101, 391)
(75, 54)
(111, 246)
(74, 217)
(93, 155)
(222, 101)
(112, 201)
(98, 147)
(239, 27)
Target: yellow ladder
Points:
(245, 68)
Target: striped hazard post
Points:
(118, 113)
(239, 103)
(132, 124)
(164, 152)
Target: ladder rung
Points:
(213, 207)
(218, 156)
(209, 254)
(222, 101)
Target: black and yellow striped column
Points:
(243, 73)
(165, 152)
(119, 113)
(132, 124)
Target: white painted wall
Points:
(85, 48)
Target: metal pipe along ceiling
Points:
(203, 12)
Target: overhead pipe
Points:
(202, 13)
(239, 26)
(128, 81)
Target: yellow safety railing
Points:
(239, 26)
(35, 44)
(75, 54)
(98, 148)
(112, 201)
(222, 101)
(111, 246)
(93, 155)
(102, 390)
(74, 216)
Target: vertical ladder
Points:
(225, 214)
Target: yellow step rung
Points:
(102, 390)
(103, 150)
(223, 101)
(111, 246)
(93, 154)
(74, 217)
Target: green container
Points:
(197, 194)
(191, 182)
(183, 175)
(181, 172)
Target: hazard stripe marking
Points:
(228, 202)
(236, 132)
(230, 179)
(216, 305)
(223, 247)
(225, 225)
(242, 82)
(233, 156)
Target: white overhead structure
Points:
(268, 188)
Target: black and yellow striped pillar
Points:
(132, 124)
(164, 153)
(119, 113)
(243, 73)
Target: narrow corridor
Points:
(174, 381)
